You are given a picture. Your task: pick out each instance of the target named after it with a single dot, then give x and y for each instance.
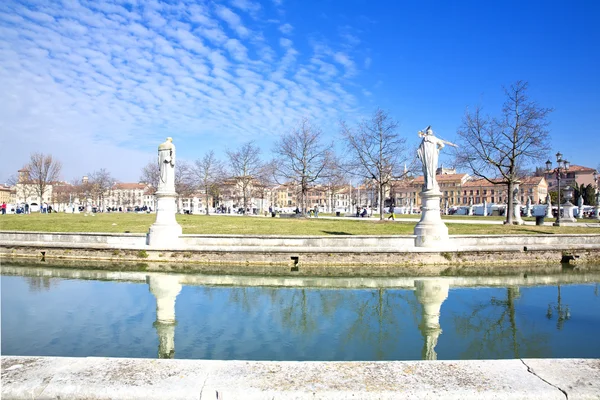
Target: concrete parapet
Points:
(111, 378)
(196, 252)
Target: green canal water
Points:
(63, 312)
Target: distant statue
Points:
(549, 208)
(515, 193)
(428, 152)
(166, 163)
(598, 197)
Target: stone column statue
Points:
(485, 207)
(165, 231)
(528, 209)
(517, 220)
(580, 205)
(430, 231)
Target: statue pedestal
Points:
(568, 208)
(431, 230)
(597, 212)
(165, 231)
(517, 220)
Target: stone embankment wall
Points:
(306, 255)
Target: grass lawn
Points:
(220, 224)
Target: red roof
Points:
(579, 168)
(130, 186)
(442, 178)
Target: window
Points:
(484, 192)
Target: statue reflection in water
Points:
(165, 288)
(430, 293)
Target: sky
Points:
(100, 84)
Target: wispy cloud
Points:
(286, 29)
(120, 76)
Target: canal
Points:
(66, 312)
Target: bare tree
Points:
(151, 175)
(302, 157)
(43, 170)
(334, 180)
(245, 165)
(498, 149)
(100, 182)
(183, 179)
(206, 173)
(375, 151)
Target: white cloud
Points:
(286, 29)
(233, 20)
(99, 85)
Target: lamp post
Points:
(562, 166)
(597, 191)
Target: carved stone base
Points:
(431, 230)
(568, 208)
(165, 231)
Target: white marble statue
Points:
(428, 152)
(549, 213)
(528, 209)
(580, 205)
(166, 162)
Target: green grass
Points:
(219, 224)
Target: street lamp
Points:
(597, 195)
(562, 166)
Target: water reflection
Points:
(165, 289)
(431, 294)
(328, 318)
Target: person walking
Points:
(3, 208)
(392, 216)
(316, 211)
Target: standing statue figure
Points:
(166, 163)
(580, 205)
(549, 213)
(428, 152)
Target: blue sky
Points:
(99, 84)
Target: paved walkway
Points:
(128, 378)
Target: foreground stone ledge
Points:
(110, 378)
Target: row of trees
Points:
(498, 148)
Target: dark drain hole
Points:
(295, 266)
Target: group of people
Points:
(19, 209)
